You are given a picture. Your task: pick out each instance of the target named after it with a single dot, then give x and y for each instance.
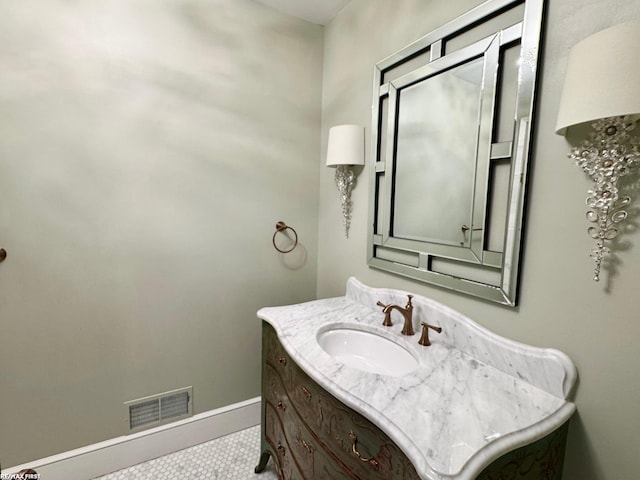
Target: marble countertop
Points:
(474, 396)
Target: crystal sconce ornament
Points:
(345, 181)
(344, 149)
(602, 89)
(611, 154)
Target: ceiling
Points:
(314, 11)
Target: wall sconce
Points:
(345, 148)
(602, 87)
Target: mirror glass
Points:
(436, 142)
(451, 126)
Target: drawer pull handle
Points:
(306, 392)
(282, 406)
(282, 361)
(354, 442)
(281, 449)
(308, 447)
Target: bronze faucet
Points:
(424, 339)
(407, 313)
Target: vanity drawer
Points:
(312, 458)
(273, 352)
(274, 433)
(341, 429)
(333, 425)
(272, 389)
(309, 456)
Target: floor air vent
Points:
(159, 409)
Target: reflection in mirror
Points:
(436, 163)
(450, 139)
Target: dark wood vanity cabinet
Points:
(313, 436)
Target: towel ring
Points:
(281, 227)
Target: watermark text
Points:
(19, 476)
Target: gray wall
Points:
(147, 150)
(560, 306)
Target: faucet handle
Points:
(387, 314)
(424, 339)
(409, 304)
(380, 304)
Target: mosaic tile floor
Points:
(232, 457)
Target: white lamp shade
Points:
(603, 77)
(345, 145)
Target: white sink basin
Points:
(366, 351)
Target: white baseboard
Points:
(122, 452)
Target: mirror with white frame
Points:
(452, 117)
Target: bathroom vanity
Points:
(472, 405)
